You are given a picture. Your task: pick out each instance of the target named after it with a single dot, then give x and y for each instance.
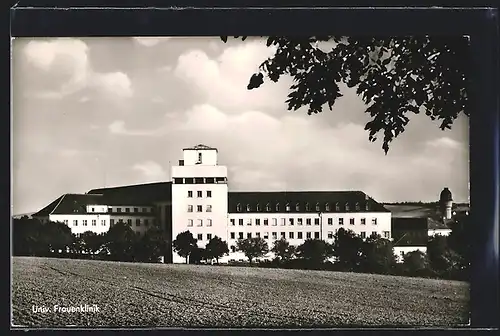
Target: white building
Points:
(198, 200)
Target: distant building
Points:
(198, 199)
(409, 234)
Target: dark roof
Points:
(200, 147)
(409, 231)
(445, 195)
(139, 194)
(332, 198)
(439, 223)
(48, 209)
(70, 203)
(409, 224)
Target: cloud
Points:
(151, 170)
(67, 60)
(118, 127)
(150, 41)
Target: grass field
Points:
(130, 294)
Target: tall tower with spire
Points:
(446, 203)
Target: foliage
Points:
(184, 244)
(216, 248)
(152, 245)
(347, 249)
(394, 76)
(377, 255)
(121, 241)
(459, 241)
(91, 242)
(314, 252)
(283, 250)
(415, 263)
(252, 247)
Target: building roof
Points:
(139, 194)
(445, 195)
(70, 204)
(200, 147)
(347, 201)
(409, 224)
(409, 231)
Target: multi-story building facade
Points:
(198, 200)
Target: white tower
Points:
(446, 203)
(199, 196)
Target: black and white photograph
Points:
(240, 182)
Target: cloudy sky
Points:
(95, 112)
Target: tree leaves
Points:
(393, 76)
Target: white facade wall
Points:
(211, 221)
(399, 251)
(442, 232)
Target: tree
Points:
(415, 263)
(152, 245)
(216, 248)
(120, 241)
(314, 252)
(347, 249)
(27, 237)
(283, 250)
(437, 250)
(459, 241)
(57, 236)
(92, 242)
(184, 244)
(394, 76)
(252, 247)
(377, 255)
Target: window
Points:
(357, 207)
(299, 235)
(249, 208)
(341, 221)
(238, 207)
(118, 209)
(75, 222)
(200, 236)
(249, 235)
(290, 221)
(190, 222)
(290, 235)
(268, 207)
(190, 193)
(363, 221)
(257, 234)
(178, 180)
(374, 221)
(199, 208)
(209, 193)
(266, 235)
(233, 249)
(129, 222)
(145, 210)
(84, 222)
(299, 221)
(257, 207)
(308, 221)
(127, 209)
(317, 206)
(330, 235)
(337, 207)
(367, 206)
(146, 222)
(330, 221)
(316, 235)
(92, 210)
(199, 194)
(275, 235)
(249, 221)
(308, 235)
(66, 221)
(209, 208)
(136, 209)
(266, 221)
(275, 221)
(283, 221)
(363, 234)
(240, 235)
(287, 207)
(233, 235)
(327, 206)
(283, 235)
(200, 222)
(387, 234)
(308, 207)
(257, 221)
(94, 222)
(111, 222)
(240, 221)
(209, 222)
(374, 233)
(199, 158)
(351, 221)
(232, 221)
(277, 207)
(190, 208)
(189, 180)
(209, 236)
(137, 222)
(347, 207)
(316, 221)
(297, 207)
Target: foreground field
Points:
(129, 294)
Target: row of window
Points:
(138, 222)
(128, 210)
(200, 236)
(199, 208)
(199, 180)
(297, 235)
(199, 222)
(199, 193)
(298, 208)
(299, 221)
